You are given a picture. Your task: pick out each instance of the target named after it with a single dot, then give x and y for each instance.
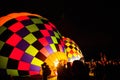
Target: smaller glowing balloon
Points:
(73, 51)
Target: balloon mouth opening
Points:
(54, 59)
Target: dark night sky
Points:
(93, 25)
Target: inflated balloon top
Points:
(73, 51)
(26, 40)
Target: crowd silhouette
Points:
(67, 71)
(95, 70)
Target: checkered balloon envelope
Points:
(72, 50)
(26, 40)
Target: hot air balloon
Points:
(72, 50)
(26, 41)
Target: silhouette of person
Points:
(79, 70)
(45, 71)
(61, 70)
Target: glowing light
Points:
(56, 63)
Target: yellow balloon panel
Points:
(57, 56)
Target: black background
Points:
(93, 25)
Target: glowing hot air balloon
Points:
(26, 41)
(73, 51)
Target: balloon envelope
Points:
(26, 40)
(73, 51)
